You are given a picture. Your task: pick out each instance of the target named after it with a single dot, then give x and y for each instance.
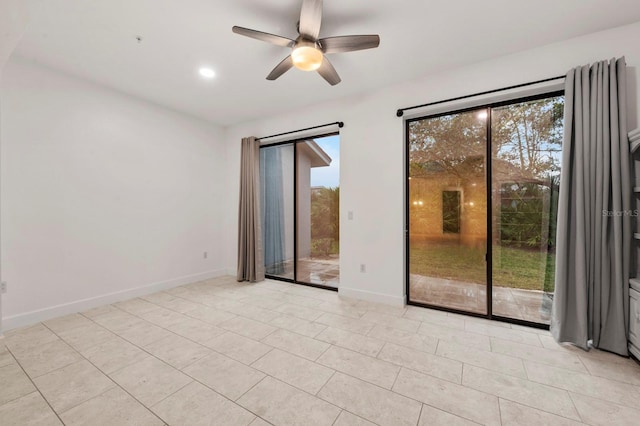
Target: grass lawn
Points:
(512, 267)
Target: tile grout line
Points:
(542, 362)
(378, 386)
(266, 375)
(500, 410)
(337, 417)
(576, 408)
(454, 414)
(153, 356)
(171, 394)
(325, 384)
(295, 387)
(417, 400)
(193, 379)
(35, 386)
(247, 391)
(527, 405)
(135, 344)
(420, 415)
(578, 392)
(324, 352)
(143, 348)
(395, 380)
(116, 384)
(231, 312)
(58, 368)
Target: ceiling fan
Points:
(308, 51)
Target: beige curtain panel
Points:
(250, 251)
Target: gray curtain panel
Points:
(250, 254)
(591, 300)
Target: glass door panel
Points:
(526, 158)
(318, 199)
(277, 203)
(447, 211)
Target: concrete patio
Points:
(529, 305)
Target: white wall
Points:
(14, 17)
(104, 196)
(372, 144)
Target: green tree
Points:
(452, 144)
(526, 143)
(325, 221)
(528, 135)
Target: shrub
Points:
(321, 247)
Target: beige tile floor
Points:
(222, 353)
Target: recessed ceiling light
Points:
(207, 72)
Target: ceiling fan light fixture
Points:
(307, 58)
(206, 72)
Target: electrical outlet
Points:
(3, 287)
(205, 255)
(363, 268)
(350, 215)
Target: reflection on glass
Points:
(526, 157)
(276, 181)
(318, 199)
(447, 211)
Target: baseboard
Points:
(633, 350)
(371, 296)
(1, 327)
(33, 317)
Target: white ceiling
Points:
(96, 40)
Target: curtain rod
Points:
(401, 111)
(339, 123)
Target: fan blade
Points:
(281, 68)
(328, 72)
(259, 35)
(310, 19)
(349, 43)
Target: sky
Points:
(328, 177)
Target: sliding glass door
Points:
(487, 252)
(300, 187)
